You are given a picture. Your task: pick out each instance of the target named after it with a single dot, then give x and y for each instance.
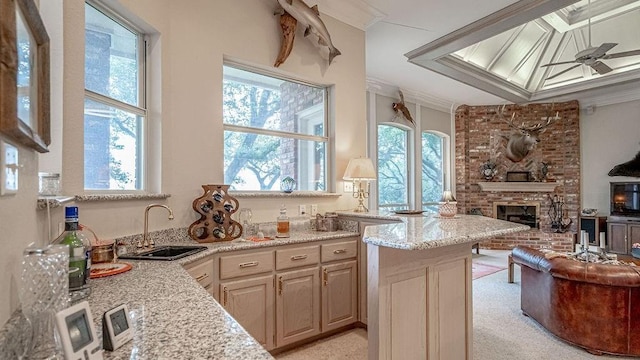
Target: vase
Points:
(44, 291)
(287, 184)
(448, 209)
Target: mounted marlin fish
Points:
(309, 17)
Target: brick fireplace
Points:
(481, 135)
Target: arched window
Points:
(434, 160)
(393, 167)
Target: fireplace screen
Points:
(522, 213)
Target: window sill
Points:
(58, 201)
(53, 202)
(274, 194)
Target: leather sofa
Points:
(594, 306)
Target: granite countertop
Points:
(180, 320)
(426, 231)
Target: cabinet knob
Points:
(224, 297)
(202, 277)
(249, 264)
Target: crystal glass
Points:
(44, 291)
(245, 220)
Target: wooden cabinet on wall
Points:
(292, 292)
(622, 233)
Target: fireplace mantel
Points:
(518, 186)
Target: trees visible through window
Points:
(114, 109)
(392, 167)
(433, 147)
(274, 128)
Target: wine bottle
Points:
(79, 250)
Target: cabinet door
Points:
(339, 295)
(633, 235)
(250, 302)
(618, 238)
(297, 305)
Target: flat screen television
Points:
(625, 198)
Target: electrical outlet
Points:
(8, 169)
(314, 209)
(302, 210)
(348, 186)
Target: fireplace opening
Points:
(526, 213)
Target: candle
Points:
(585, 240)
(602, 240)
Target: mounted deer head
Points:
(525, 138)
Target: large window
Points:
(114, 107)
(433, 165)
(274, 128)
(393, 167)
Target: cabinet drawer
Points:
(246, 264)
(203, 272)
(339, 251)
(302, 256)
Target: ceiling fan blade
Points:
(558, 63)
(602, 49)
(601, 68)
(622, 54)
(563, 71)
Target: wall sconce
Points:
(448, 205)
(361, 172)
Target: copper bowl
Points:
(103, 251)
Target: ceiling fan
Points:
(591, 56)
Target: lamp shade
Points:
(360, 169)
(447, 196)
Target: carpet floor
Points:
(500, 331)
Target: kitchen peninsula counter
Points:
(419, 284)
(177, 318)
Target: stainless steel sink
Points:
(166, 253)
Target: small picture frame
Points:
(78, 333)
(116, 328)
(518, 176)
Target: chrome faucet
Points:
(146, 242)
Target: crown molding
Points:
(381, 87)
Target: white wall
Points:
(608, 137)
(193, 37)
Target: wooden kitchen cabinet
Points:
(250, 302)
(622, 233)
(278, 296)
(202, 271)
(297, 305)
(339, 295)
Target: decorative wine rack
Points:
(215, 208)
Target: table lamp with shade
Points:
(361, 172)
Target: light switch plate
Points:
(348, 186)
(8, 168)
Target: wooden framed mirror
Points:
(24, 75)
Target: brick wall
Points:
(481, 136)
(295, 98)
